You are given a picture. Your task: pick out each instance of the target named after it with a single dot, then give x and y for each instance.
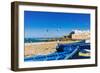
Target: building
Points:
(80, 35)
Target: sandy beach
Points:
(42, 48)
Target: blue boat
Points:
(64, 52)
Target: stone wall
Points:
(81, 36)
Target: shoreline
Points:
(50, 42)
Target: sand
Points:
(42, 48)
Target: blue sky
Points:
(53, 24)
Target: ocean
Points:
(30, 40)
